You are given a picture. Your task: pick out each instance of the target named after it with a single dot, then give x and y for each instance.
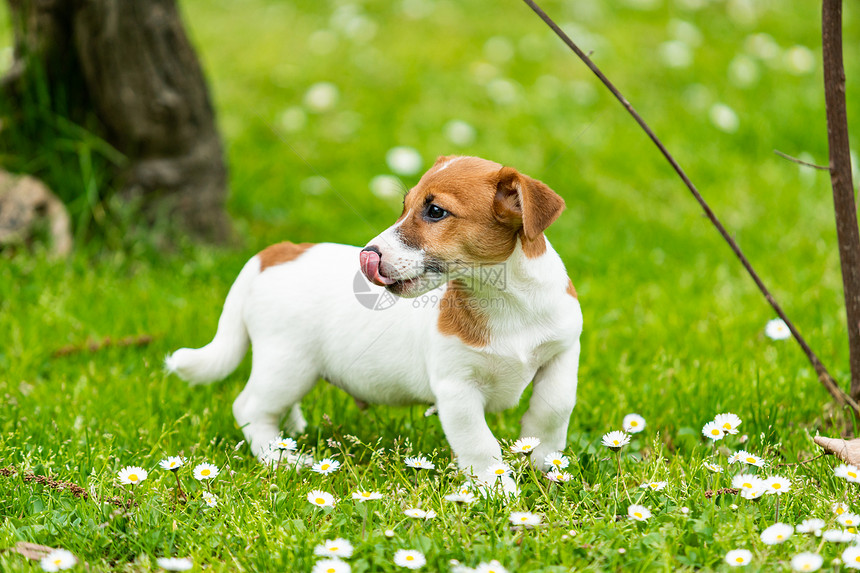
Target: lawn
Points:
(311, 97)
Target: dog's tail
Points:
(221, 356)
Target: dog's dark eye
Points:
(436, 213)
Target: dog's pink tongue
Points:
(370, 267)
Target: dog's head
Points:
(464, 212)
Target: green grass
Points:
(673, 327)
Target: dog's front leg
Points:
(461, 411)
(552, 401)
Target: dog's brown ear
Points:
(521, 200)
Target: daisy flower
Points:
(811, 526)
(615, 440)
(851, 473)
(753, 493)
(848, 519)
(205, 471)
(363, 495)
(210, 499)
(777, 485)
(839, 508)
(633, 423)
(334, 548)
(421, 463)
(462, 496)
(175, 563)
(321, 498)
(525, 518)
(499, 470)
(807, 562)
(326, 466)
(331, 566)
(409, 558)
(776, 329)
(525, 445)
(654, 485)
(736, 457)
(415, 512)
(556, 460)
(776, 533)
(738, 557)
(713, 431)
(172, 463)
(716, 468)
(837, 535)
(747, 482)
(728, 422)
(491, 567)
(287, 444)
(558, 477)
(750, 459)
(638, 512)
(132, 475)
(57, 560)
(851, 557)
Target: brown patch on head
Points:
(489, 207)
(461, 316)
(571, 290)
(280, 253)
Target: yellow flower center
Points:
(132, 477)
(778, 537)
(333, 549)
(739, 559)
(615, 442)
(727, 426)
(807, 566)
(365, 494)
(634, 423)
(527, 447)
(852, 530)
(330, 570)
(751, 460)
(637, 514)
(857, 559)
(747, 486)
(839, 511)
(524, 518)
(325, 467)
(410, 558)
(58, 562)
(715, 431)
(777, 486)
(320, 500)
(205, 472)
(852, 474)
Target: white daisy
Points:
(462, 496)
(499, 470)
(321, 498)
(839, 508)
(738, 557)
(811, 526)
(132, 475)
(403, 160)
(491, 567)
(334, 548)
(409, 558)
(172, 463)
(326, 466)
(525, 445)
(776, 485)
(331, 566)
(776, 329)
(615, 440)
(716, 468)
(850, 473)
(287, 444)
(747, 482)
(728, 422)
(633, 423)
(654, 485)
(638, 512)
(807, 562)
(419, 462)
(205, 471)
(58, 560)
(750, 459)
(558, 477)
(415, 512)
(713, 432)
(175, 563)
(837, 535)
(776, 533)
(848, 519)
(210, 499)
(736, 457)
(556, 460)
(364, 495)
(525, 518)
(851, 557)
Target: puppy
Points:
(491, 311)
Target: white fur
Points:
(305, 323)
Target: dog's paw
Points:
(539, 457)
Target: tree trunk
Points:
(142, 79)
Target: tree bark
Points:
(142, 79)
(847, 232)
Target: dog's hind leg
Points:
(279, 380)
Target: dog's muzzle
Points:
(371, 261)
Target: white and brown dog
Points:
(500, 313)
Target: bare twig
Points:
(824, 376)
(107, 342)
(801, 463)
(800, 161)
(847, 232)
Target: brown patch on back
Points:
(460, 316)
(280, 253)
(571, 290)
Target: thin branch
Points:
(800, 161)
(823, 375)
(847, 233)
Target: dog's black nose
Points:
(373, 249)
